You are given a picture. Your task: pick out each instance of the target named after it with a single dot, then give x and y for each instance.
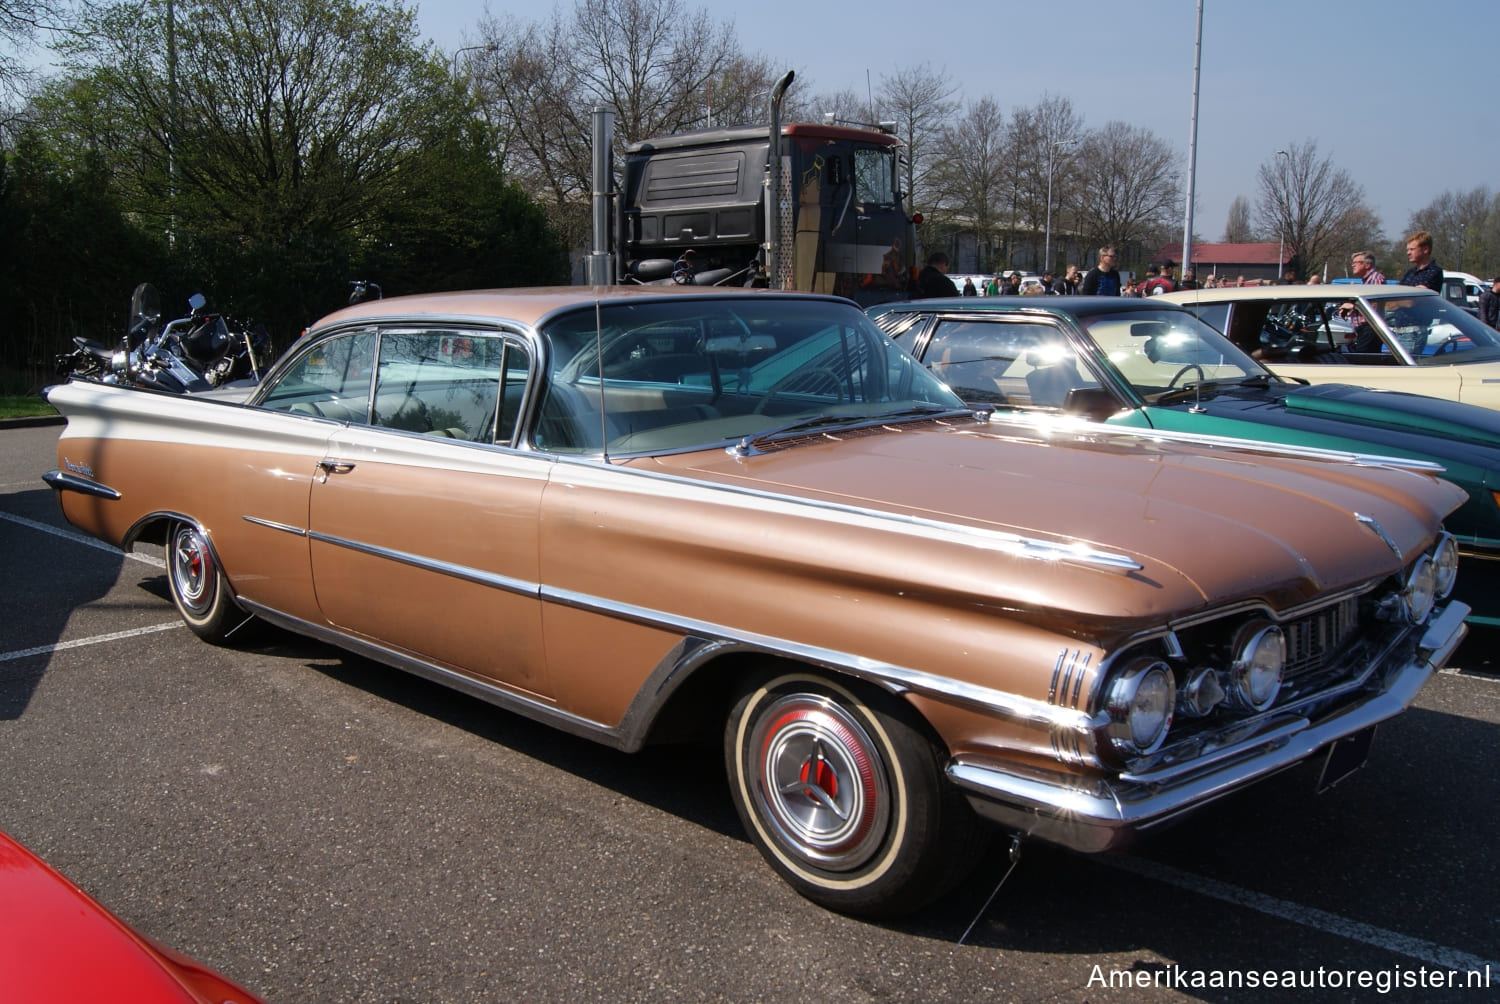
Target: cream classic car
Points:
(1393, 337)
(751, 518)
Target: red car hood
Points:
(57, 944)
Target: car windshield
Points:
(688, 372)
(1435, 332)
(1159, 351)
(1362, 326)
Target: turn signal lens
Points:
(1201, 693)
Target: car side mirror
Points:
(1093, 403)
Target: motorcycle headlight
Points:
(1140, 706)
(1420, 592)
(1445, 566)
(1259, 660)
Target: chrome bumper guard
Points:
(1098, 815)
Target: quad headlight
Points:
(1140, 706)
(1259, 660)
(1420, 591)
(1445, 565)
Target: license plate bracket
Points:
(1345, 757)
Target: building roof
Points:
(1226, 254)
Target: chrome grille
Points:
(1311, 640)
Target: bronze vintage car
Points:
(645, 515)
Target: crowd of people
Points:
(1104, 278)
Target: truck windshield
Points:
(875, 174)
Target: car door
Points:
(423, 519)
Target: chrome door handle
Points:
(327, 467)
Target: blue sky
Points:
(1397, 94)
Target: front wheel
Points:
(843, 794)
(199, 589)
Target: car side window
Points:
(1020, 364)
(447, 383)
(331, 379)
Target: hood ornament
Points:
(1374, 524)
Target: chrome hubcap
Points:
(819, 781)
(192, 568)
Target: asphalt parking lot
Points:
(324, 829)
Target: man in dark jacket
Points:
(1160, 282)
(1103, 279)
(933, 280)
(1424, 271)
(1489, 304)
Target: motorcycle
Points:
(189, 355)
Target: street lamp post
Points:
(470, 48)
(1281, 222)
(1051, 162)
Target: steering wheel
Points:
(808, 381)
(1184, 371)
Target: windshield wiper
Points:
(747, 446)
(1196, 389)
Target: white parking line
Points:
(1320, 920)
(79, 538)
(97, 639)
(1469, 674)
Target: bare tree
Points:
(1237, 228)
(1317, 208)
(660, 70)
(23, 24)
(650, 61)
(968, 183)
(1128, 188)
(1460, 226)
(844, 106)
(920, 100)
(1041, 141)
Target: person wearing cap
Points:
(1160, 282)
(1048, 282)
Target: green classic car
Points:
(1148, 364)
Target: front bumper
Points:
(1098, 815)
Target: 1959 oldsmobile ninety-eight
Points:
(639, 515)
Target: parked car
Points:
(1396, 337)
(59, 944)
(1470, 287)
(1148, 364)
(645, 514)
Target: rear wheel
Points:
(842, 791)
(199, 589)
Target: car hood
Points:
(58, 944)
(1205, 524)
(1391, 409)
